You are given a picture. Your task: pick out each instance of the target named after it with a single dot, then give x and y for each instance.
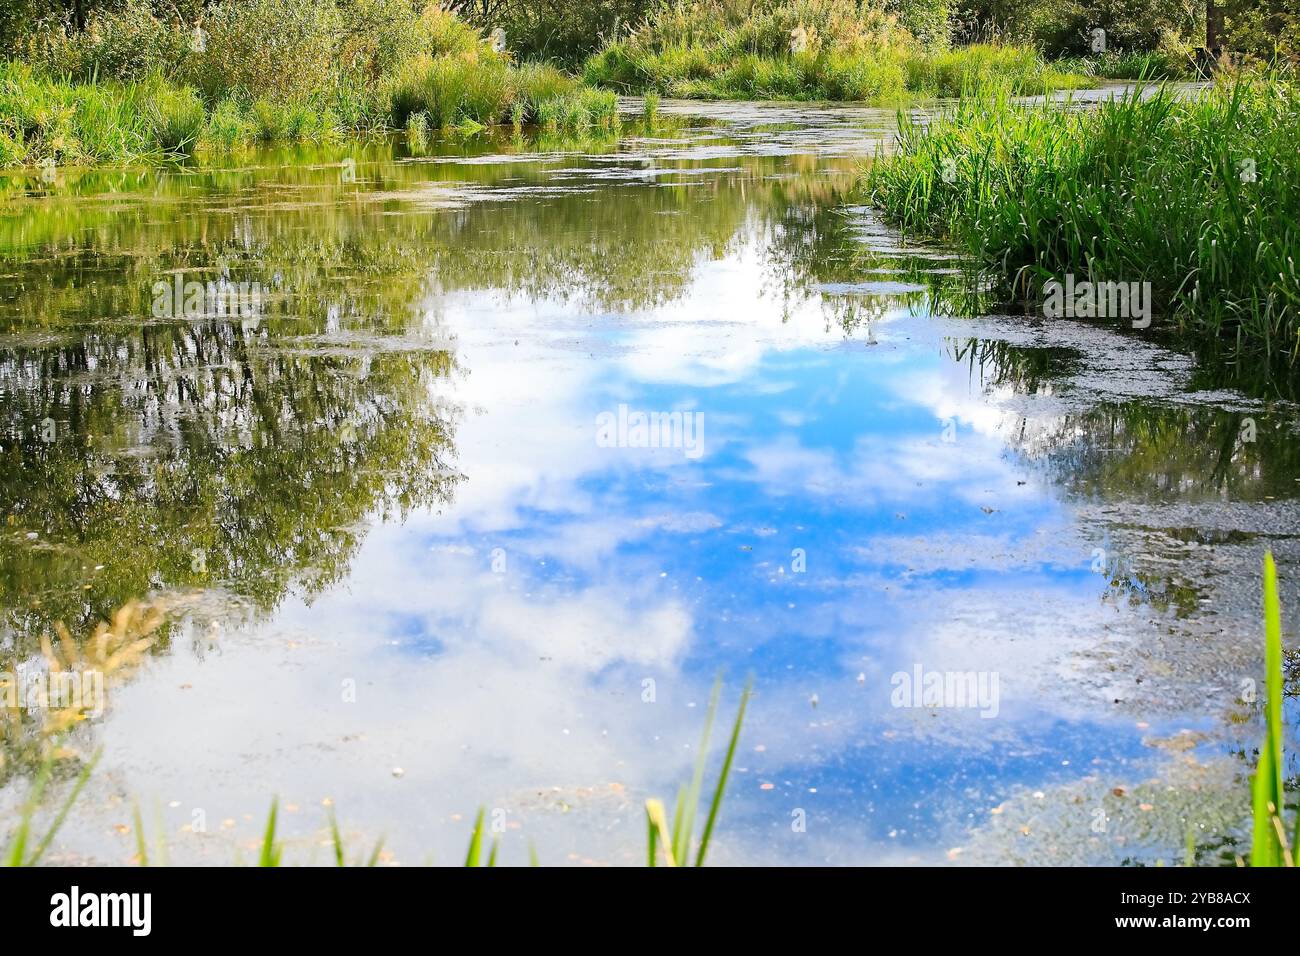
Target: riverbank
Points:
(132, 89)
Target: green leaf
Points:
(475, 842)
(270, 849)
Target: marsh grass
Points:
(176, 116)
(1193, 194)
(1133, 65)
(451, 90)
(580, 110)
(1019, 70)
(417, 131)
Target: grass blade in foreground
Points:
(1268, 844)
(270, 849)
(677, 839)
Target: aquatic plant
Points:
(227, 125)
(537, 82)
(1194, 194)
(176, 116)
(417, 130)
(17, 853)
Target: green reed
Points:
(673, 838)
(1269, 843)
(1195, 194)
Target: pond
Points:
(463, 474)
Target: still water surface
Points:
(408, 577)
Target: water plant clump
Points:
(1192, 194)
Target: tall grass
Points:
(1163, 64)
(1017, 69)
(451, 90)
(1196, 195)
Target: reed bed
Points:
(1194, 194)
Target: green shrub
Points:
(281, 49)
(377, 36)
(127, 43)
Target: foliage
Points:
(282, 49)
(1065, 26)
(1262, 28)
(558, 30)
(123, 43)
(802, 49)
